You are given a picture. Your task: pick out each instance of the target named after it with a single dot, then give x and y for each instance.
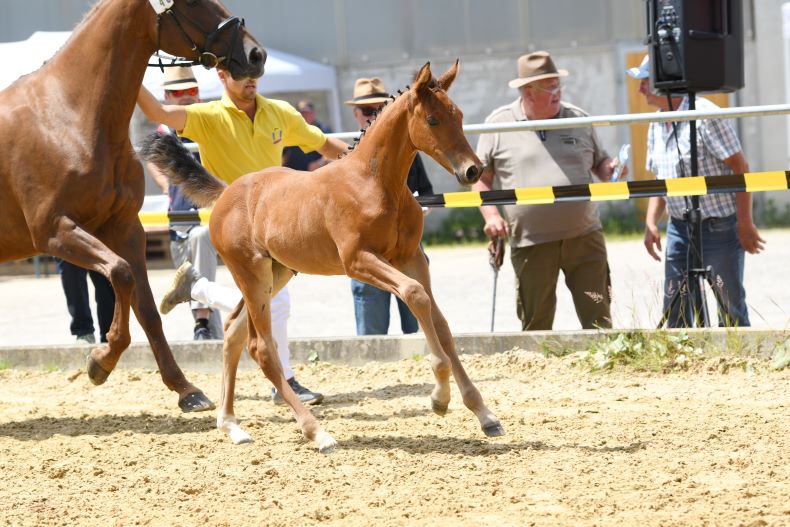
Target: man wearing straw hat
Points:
(188, 243)
(371, 304)
(243, 132)
(545, 239)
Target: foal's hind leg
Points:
(232, 347)
(254, 275)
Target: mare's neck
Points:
(388, 147)
(102, 65)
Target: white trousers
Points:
(226, 298)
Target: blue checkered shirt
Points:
(716, 141)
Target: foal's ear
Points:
(423, 77)
(447, 78)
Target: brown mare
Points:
(70, 183)
(355, 217)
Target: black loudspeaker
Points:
(695, 45)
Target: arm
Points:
(747, 232)
(332, 148)
(495, 225)
(655, 208)
(172, 115)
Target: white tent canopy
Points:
(284, 72)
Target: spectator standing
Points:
(74, 280)
(727, 227)
(545, 239)
(371, 304)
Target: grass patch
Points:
(5, 365)
(50, 368)
(644, 352)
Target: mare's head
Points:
(205, 31)
(436, 125)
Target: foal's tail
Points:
(168, 155)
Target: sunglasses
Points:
(369, 111)
(552, 90)
(187, 91)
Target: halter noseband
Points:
(206, 58)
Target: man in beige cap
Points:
(372, 305)
(188, 243)
(545, 239)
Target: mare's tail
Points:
(170, 157)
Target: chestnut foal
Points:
(355, 217)
(70, 184)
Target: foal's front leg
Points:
(415, 291)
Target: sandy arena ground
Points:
(704, 447)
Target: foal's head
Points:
(205, 30)
(435, 125)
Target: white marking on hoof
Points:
(326, 443)
(234, 431)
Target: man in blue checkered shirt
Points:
(727, 227)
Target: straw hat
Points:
(369, 91)
(534, 67)
(179, 78)
(305, 106)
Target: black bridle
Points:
(206, 58)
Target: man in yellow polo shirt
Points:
(241, 133)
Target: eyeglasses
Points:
(552, 91)
(369, 111)
(187, 91)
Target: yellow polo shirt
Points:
(231, 145)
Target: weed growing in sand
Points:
(5, 365)
(313, 359)
(781, 356)
(50, 368)
(643, 351)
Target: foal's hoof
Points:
(439, 408)
(195, 402)
(494, 429)
(96, 373)
(326, 443)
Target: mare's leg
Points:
(126, 235)
(73, 244)
(414, 288)
(255, 278)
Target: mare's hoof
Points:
(96, 373)
(195, 402)
(494, 429)
(439, 408)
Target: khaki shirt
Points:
(523, 159)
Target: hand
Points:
(750, 238)
(653, 242)
(496, 227)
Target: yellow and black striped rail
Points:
(688, 186)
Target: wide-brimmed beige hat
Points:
(179, 78)
(534, 67)
(369, 91)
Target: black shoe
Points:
(305, 395)
(202, 334)
(201, 330)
